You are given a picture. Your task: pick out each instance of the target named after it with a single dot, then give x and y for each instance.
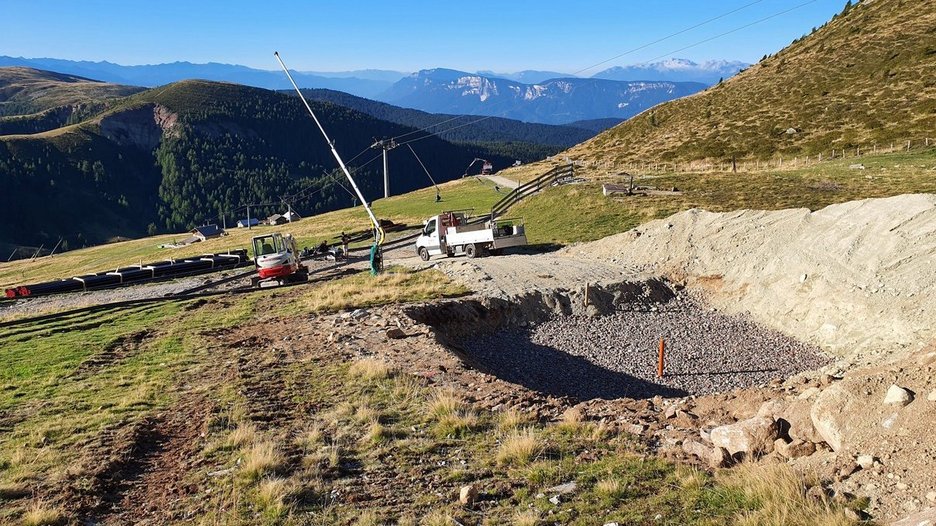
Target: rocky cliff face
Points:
(141, 127)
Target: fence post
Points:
(908, 146)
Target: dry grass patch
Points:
(511, 419)
(571, 420)
(780, 495)
(437, 518)
(609, 490)
(368, 518)
(243, 435)
(377, 433)
(39, 515)
(366, 414)
(529, 517)
(271, 497)
(519, 448)
(263, 458)
(310, 439)
(370, 369)
(452, 417)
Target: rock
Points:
(794, 418)
(865, 461)
(858, 166)
(670, 411)
(698, 449)
(897, 395)
(468, 495)
(848, 470)
(924, 518)
(611, 524)
(932, 396)
(719, 458)
(563, 489)
(635, 429)
(828, 415)
(794, 449)
(555, 500)
(751, 437)
(901, 486)
(395, 334)
(809, 393)
(817, 493)
(358, 314)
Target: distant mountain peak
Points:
(676, 70)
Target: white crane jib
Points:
(378, 230)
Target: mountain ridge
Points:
(557, 101)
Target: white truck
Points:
(451, 233)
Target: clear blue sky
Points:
(404, 35)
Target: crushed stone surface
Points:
(615, 356)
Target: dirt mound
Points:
(855, 278)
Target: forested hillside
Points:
(173, 157)
(463, 128)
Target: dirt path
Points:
(502, 182)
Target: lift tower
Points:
(386, 145)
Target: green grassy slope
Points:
(864, 78)
(34, 101)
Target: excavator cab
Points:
(268, 244)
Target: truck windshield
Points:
(430, 227)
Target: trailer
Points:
(453, 233)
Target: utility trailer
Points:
(452, 233)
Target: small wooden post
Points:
(660, 359)
(586, 293)
(908, 146)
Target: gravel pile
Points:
(616, 356)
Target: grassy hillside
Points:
(33, 101)
(864, 78)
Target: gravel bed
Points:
(615, 356)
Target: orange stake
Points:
(660, 361)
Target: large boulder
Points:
(753, 436)
(828, 414)
(924, 518)
(794, 418)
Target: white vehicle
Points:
(451, 233)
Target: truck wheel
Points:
(423, 254)
(471, 250)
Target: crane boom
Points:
(378, 230)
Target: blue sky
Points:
(404, 35)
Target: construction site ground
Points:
(852, 284)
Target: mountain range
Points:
(364, 83)
(676, 70)
(390, 86)
(556, 101)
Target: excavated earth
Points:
(805, 320)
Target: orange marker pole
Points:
(660, 361)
